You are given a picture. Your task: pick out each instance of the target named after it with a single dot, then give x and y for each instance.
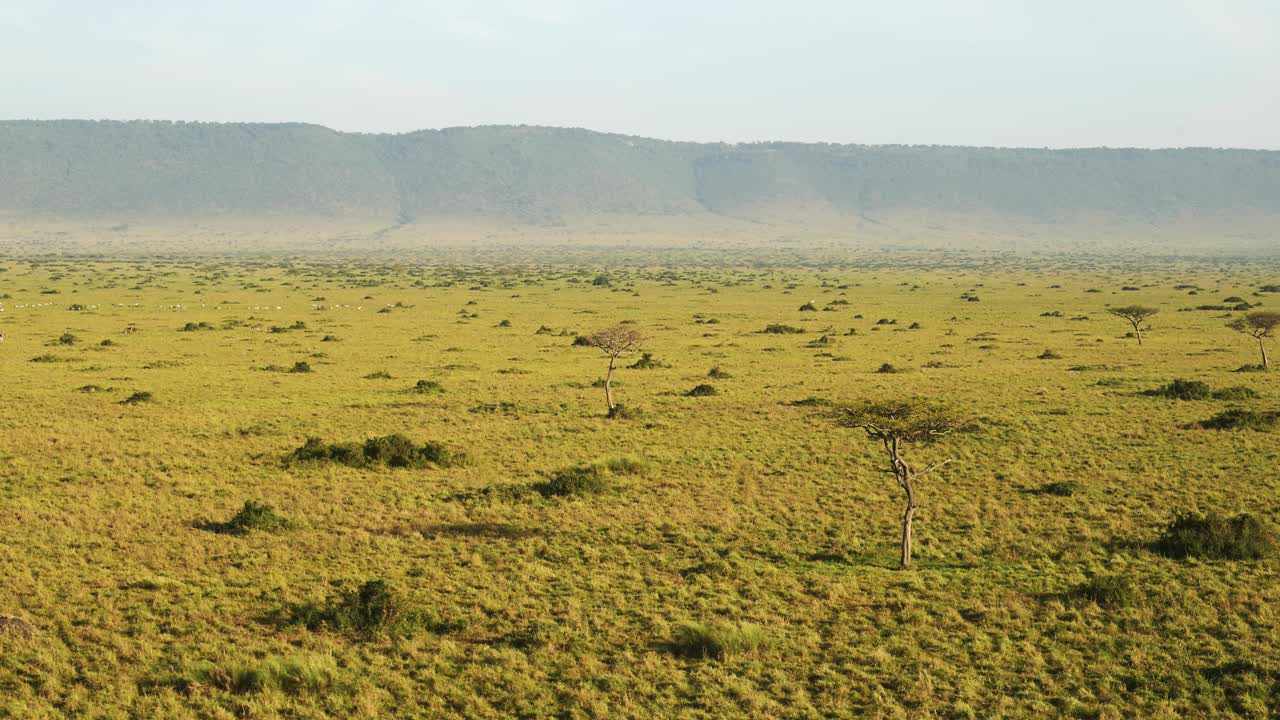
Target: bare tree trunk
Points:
(906, 534)
(1261, 346)
(608, 382)
(1138, 331)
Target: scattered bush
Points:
(138, 397)
(1048, 355)
(389, 450)
(375, 608)
(887, 369)
(1062, 488)
(622, 412)
(253, 516)
(718, 374)
(379, 375)
(778, 329)
(1241, 419)
(428, 387)
(717, 641)
(702, 390)
(590, 479)
(301, 366)
(646, 362)
(1212, 536)
(808, 307)
(810, 401)
(1237, 392)
(1182, 390)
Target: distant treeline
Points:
(540, 175)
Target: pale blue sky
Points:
(975, 72)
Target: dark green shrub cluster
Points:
(808, 307)
(779, 329)
(587, 479)
(647, 362)
(1213, 536)
(254, 516)
(622, 412)
(301, 366)
(702, 390)
(196, 326)
(428, 387)
(1062, 488)
(887, 369)
(376, 608)
(1048, 355)
(138, 397)
(717, 641)
(390, 450)
(379, 375)
(1182, 390)
(1241, 419)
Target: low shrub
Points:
(1048, 355)
(1241, 419)
(1182, 390)
(622, 412)
(254, 516)
(1062, 488)
(376, 608)
(591, 479)
(646, 362)
(138, 397)
(717, 641)
(1238, 392)
(379, 375)
(301, 366)
(427, 387)
(779, 329)
(1213, 536)
(887, 369)
(390, 450)
(716, 373)
(702, 390)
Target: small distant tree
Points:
(1137, 315)
(1259, 325)
(614, 342)
(896, 424)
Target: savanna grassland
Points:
(724, 553)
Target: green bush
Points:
(702, 390)
(375, 608)
(301, 367)
(390, 450)
(1212, 536)
(718, 641)
(428, 387)
(1182, 390)
(1240, 419)
(1062, 488)
(718, 374)
(779, 329)
(573, 482)
(646, 362)
(138, 397)
(1238, 392)
(253, 516)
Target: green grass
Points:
(745, 511)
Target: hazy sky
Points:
(973, 72)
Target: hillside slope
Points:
(130, 171)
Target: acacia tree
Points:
(1137, 315)
(613, 342)
(1259, 325)
(895, 424)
